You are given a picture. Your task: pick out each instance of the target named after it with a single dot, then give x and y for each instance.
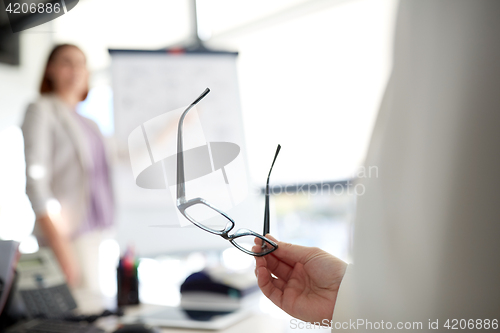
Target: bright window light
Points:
(234, 259)
(16, 216)
(109, 254)
(98, 106)
(314, 84)
(29, 245)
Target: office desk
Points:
(91, 303)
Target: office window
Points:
(313, 83)
(98, 106)
(16, 216)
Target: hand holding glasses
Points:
(243, 239)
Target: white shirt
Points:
(427, 232)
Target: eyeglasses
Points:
(243, 239)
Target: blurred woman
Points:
(67, 175)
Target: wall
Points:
(19, 84)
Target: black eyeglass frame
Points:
(183, 204)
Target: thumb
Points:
(291, 253)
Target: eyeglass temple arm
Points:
(181, 189)
(266, 209)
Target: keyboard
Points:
(48, 302)
(53, 326)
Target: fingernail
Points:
(257, 273)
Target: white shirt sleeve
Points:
(425, 245)
(344, 306)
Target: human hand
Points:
(54, 229)
(71, 270)
(306, 282)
